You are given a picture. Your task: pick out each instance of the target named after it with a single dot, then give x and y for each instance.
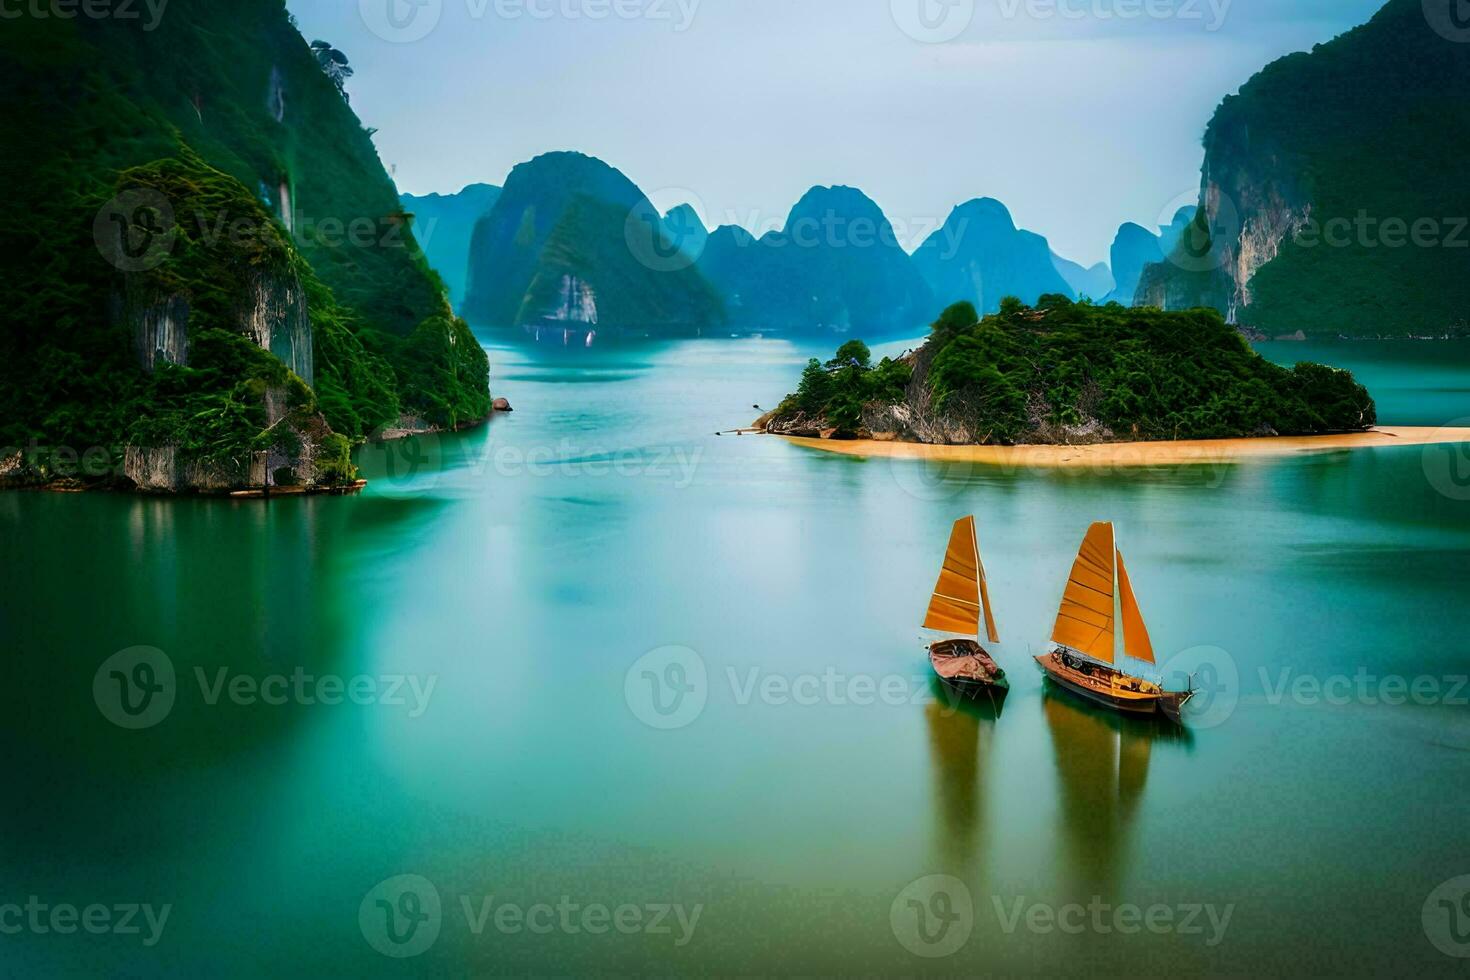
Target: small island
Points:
(1064, 373)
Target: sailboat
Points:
(960, 601)
(1084, 649)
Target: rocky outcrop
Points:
(571, 239)
(275, 317)
(160, 331)
(1314, 174)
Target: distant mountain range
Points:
(835, 266)
(1333, 197)
(573, 241)
(443, 225)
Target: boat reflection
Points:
(1102, 764)
(961, 737)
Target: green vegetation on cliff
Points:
(1074, 372)
(1335, 200)
(216, 141)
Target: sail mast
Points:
(990, 628)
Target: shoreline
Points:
(1141, 454)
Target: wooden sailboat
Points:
(960, 601)
(1084, 651)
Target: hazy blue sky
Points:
(1078, 114)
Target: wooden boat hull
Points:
(964, 666)
(1137, 702)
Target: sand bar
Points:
(1118, 454)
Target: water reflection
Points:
(961, 737)
(1102, 763)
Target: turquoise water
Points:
(549, 573)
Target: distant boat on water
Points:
(1084, 652)
(961, 601)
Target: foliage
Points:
(840, 389)
(224, 111)
(1063, 370)
(334, 65)
(1368, 135)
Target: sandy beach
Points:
(1120, 454)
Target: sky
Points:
(1077, 114)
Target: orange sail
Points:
(1136, 642)
(1086, 620)
(961, 596)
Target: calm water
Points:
(525, 569)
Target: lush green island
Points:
(210, 281)
(1063, 372)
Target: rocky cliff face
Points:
(1314, 176)
(275, 318)
(569, 218)
(215, 136)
